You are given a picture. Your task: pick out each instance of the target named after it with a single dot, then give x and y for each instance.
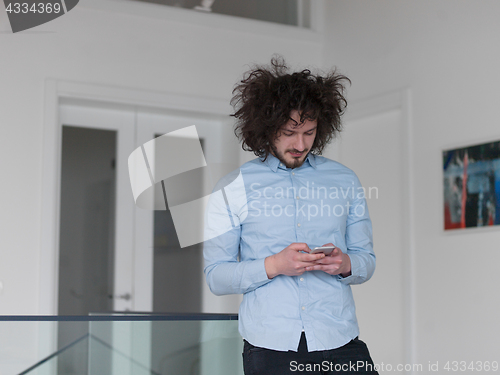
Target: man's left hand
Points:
(336, 263)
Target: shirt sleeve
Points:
(224, 272)
(359, 239)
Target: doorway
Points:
(96, 214)
(376, 145)
(87, 211)
(141, 262)
(371, 146)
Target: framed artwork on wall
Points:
(471, 186)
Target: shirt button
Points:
(293, 173)
(281, 164)
(297, 197)
(298, 224)
(301, 279)
(303, 307)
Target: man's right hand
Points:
(291, 261)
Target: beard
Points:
(296, 162)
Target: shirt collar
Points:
(273, 162)
(311, 158)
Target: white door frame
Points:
(399, 100)
(57, 91)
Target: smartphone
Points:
(324, 249)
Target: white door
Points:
(86, 121)
(171, 276)
(372, 144)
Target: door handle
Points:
(126, 296)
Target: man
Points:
(297, 313)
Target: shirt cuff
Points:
(358, 271)
(260, 270)
(255, 275)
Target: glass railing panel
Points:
(43, 346)
(72, 342)
(175, 346)
(20, 344)
(221, 348)
(121, 344)
(69, 360)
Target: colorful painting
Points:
(472, 186)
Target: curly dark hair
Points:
(266, 96)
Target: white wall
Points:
(111, 43)
(447, 54)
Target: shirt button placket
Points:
(297, 202)
(303, 300)
(297, 226)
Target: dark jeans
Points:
(352, 358)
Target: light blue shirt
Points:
(257, 211)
